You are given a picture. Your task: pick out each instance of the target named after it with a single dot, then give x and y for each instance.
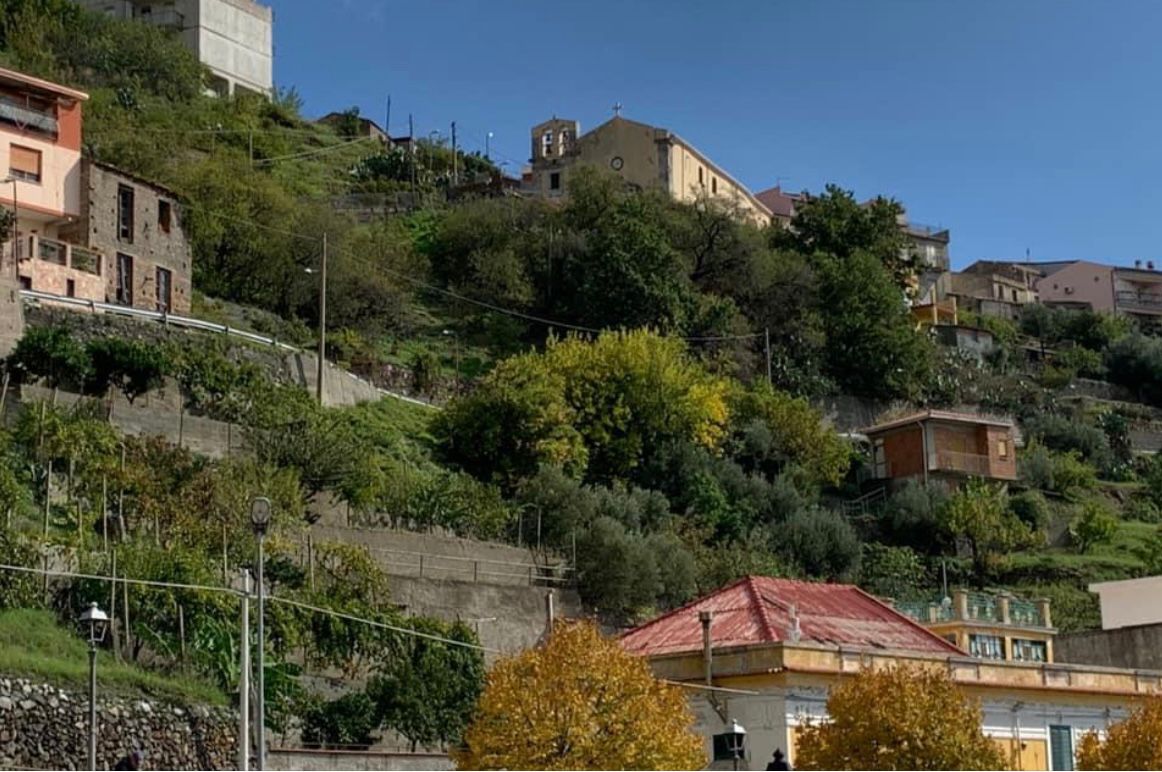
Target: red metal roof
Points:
(759, 609)
(779, 201)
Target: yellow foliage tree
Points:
(898, 718)
(579, 702)
(1134, 743)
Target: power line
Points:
(384, 625)
(229, 591)
(310, 153)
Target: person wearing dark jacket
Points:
(778, 761)
(132, 761)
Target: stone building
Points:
(233, 38)
(645, 156)
(136, 225)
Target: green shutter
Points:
(1061, 748)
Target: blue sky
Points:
(1016, 123)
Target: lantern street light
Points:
(731, 744)
(260, 520)
(93, 621)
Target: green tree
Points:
(836, 224)
(131, 367)
(52, 353)
(979, 513)
(820, 542)
(426, 690)
(1094, 525)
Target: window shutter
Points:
(25, 161)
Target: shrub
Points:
(52, 353)
(1080, 361)
(132, 367)
(616, 572)
(1066, 434)
(1031, 508)
(911, 517)
(345, 723)
(820, 542)
(1096, 524)
(1142, 509)
(893, 572)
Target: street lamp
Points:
(488, 146)
(731, 744)
(259, 520)
(455, 354)
(93, 621)
(322, 271)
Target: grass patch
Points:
(33, 645)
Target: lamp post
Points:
(731, 744)
(455, 354)
(259, 520)
(93, 621)
(322, 271)
(488, 146)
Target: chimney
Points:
(706, 617)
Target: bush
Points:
(1031, 508)
(345, 723)
(52, 353)
(1080, 361)
(132, 367)
(820, 542)
(616, 572)
(911, 517)
(1067, 434)
(1143, 509)
(1135, 361)
(1096, 524)
(892, 572)
(1063, 473)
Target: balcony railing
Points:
(163, 17)
(25, 117)
(925, 612)
(64, 254)
(979, 607)
(1142, 300)
(968, 463)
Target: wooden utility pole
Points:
(767, 346)
(322, 323)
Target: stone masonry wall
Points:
(46, 727)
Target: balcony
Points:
(65, 255)
(967, 463)
(975, 607)
(1130, 300)
(166, 18)
(27, 118)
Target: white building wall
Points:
(1130, 602)
(235, 40)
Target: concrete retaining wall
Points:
(46, 727)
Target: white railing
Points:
(195, 324)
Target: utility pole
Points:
(767, 345)
(322, 323)
(455, 160)
(244, 678)
(387, 120)
(488, 146)
(412, 149)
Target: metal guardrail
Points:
(196, 324)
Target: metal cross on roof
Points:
(616, 108)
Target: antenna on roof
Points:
(1026, 254)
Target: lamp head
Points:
(95, 620)
(260, 514)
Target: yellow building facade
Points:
(766, 652)
(645, 156)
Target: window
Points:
(24, 163)
(71, 288)
(1003, 448)
(164, 290)
(1060, 748)
(713, 184)
(700, 180)
(986, 646)
(124, 279)
(1028, 651)
(547, 143)
(164, 215)
(1014, 295)
(125, 213)
(555, 181)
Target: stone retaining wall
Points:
(47, 727)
